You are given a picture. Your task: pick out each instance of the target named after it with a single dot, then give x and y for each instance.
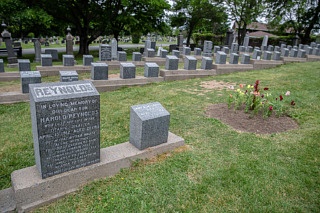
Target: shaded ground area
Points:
(242, 121)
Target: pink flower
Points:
(270, 108)
(287, 93)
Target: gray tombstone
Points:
(276, 56)
(29, 77)
(305, 47)
(153, 45)
(295, 47)
(234, 48)
(206, 63)
(68, 76)
(216, 49)
(294, 53)
(190, 63)
(282, 46)
(180, 43)
(242, 49)
(313, 44)
(234, 58)
(99, 71)
(226, 50)
(176, 53)
(68, 60)
(1, 65)
(149, 125)
(197, 51)
(104, 52)
(37, 51)
(65, 126)
(151, 70)
(127, 70)
(265, 41)
(122, 56)
(289, 47)
(221, 57)
(87, 60)
(270, 48)
(6, 36)
(171, 62)
(24, 65)
(54, 53)
(207, 48)
(46, 60)
(163, 53)
(256, 53)
(267, 55)
(300, 46)
(309, 50)
(315, 51)
(245, 59)
(249, 49)
(69, 42)
(147, 45)
(277, 49)
(114, 49)
(246, 41)
(136, 56)
(186, 51)
(285, 52)
(301, 53)
(150, 53)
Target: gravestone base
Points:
(313, 58)
(265, 64)
(14, 65)
(287, 60)
(175, 75)
(31, 191)
(229, 68)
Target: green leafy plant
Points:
(253, 100)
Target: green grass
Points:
(220, 170)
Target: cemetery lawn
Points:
(218, 170)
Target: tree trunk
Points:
(84, 42)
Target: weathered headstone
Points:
(256, 54)
(149, 125)
(249, 49)
(163, 53)
(309, 50)
(180, 43)
(197, 51)
(267, 55)
(221, 57)
(226, 50)
(136, 56)
(283, 46)
(289, 47)
(46, 60)
(37, 51)
(68, 60)
(54, 53)
(186, 51)
(206, 63)
(207, 49)
(229, 38)
(216, 49)
(301, 46)
(150, 53)
(29, 77)
(190, 63)
(127, 70)
(301, 53)
(246, 41)
(234, 58)
(104, 52)
(87, 60)
(6, 36)
(171, 62)
(313, 44)
(176, 53)
(242, 49)
(69, 43)
(294, 53)
(277, 49)
(264, 43)
(147, 45)
(99, 71)
(315, 51)
(1, 65)
(234, 48)
(270, 48)
(153, 45)
(65, 125)
(68, 76)
(151, 70)
(24, 65)
(245, 59)
(285, 52)
(114, 49)
(276, 56)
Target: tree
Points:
(243, 12)
(302, 16)
(193, 14)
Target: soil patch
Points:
(242, 121)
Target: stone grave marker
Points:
(190, 63)
(150, 53)
(69, 43)
(294, 53)
(289, 47)
(37, 51)
(234, 48)
(301, 53)
(172, 62)
(24, 65)
(267, 55)
(87, 60)
(163, 53)
(176, 53)
(65, 125)
(151, 70)
(122, 56)
(242, 49)
(1, 65)
(315, 51)
(197, 51)
(68, 76)
(309, 50)
(226, 50)
(53, 53)
(99, 71)
(206, 63)
(29, 77)
(6, 36)
(216, 49)
(147, 45)
(149, 125)
(186, 51)
(249, 49)
(68, 60)
(256, 54)
(104, 52)
(46, 60)
(221, 57)
(207, 48)
(285, 52)
(276, 55)
(245, 59)
(136, 56)
(246, 41)
(264, 43)
(300, 46)
(270, 48)
(277, 49)
(127, 70)
(234, 58)
(114, 49)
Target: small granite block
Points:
(301, 53)
(65, 125)
(242, 49)
(24, 65)
(216, 49)
(256, 48)
(283, 46)
(245, 59)
(186, 51)
(313, 44)
(267, 55)
(127, 70)
(105, 52)
(315, 51)
(68, 76)
(87, 60)
(136, 56)
(172, 62)
(318, 46)
(301, 46)
(163, 53)
(207, 54)
(226, 50)
(294, 53)
(151, 53)
(99, 71)
(289, 47)
(68, 60)
(122, 56)
(234, 58)
(276, 56)
(190, 63)
(309, 51)
(29, 77)
(1, 65)
(149, 125)
(256, 54)
(176, 53)
(206, 63)
(277, 49)
(46, 60)
(221, 57)
(285, 52)
(295, 47)
(264, 48)
(270, 48)
(53, 53)
(151, 70)
(249, 49)
(197, 51)
(234, 48)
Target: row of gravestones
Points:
(99, 71)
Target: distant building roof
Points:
(257, 26)
(261, 34)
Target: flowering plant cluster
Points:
(253, 99)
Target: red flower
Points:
(262, 95)
(257, 82)
(292, 103)
(270, 108)
(266, 88)
(276, 99)
(281, 98)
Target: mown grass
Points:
(220, 169)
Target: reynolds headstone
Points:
(65, 125)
